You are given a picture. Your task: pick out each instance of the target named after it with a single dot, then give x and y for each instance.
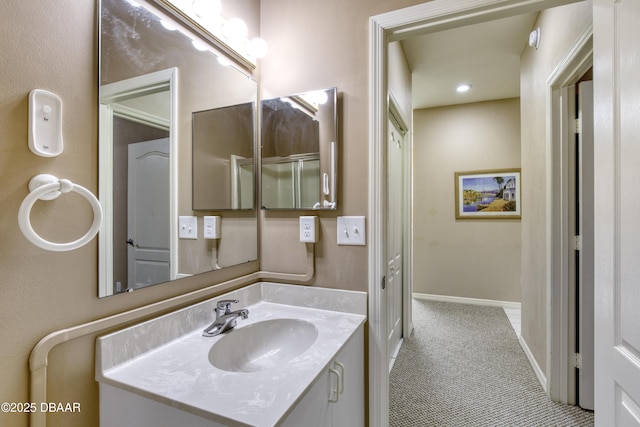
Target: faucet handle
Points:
(225, 305)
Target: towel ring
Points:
(48, 187)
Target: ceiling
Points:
(486, 55)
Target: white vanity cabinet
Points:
(161, 372)
(337, 397)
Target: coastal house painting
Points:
(488, 194)
(509, 192)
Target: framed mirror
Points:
(299, 151)
(154, 79)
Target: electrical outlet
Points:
(211, 227)
(351, 230)
(188, 227)
(308, 229)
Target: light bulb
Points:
(317, 97)
(235, 29)
(207, 9)
(258, 48)
(463, 88)
(320, 97)
(224, 61)
(199, 45)
(168, 25)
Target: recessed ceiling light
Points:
(463, 88)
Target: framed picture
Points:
(489, 194)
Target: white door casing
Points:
(149, 210)
(617, 224)
(561, 329)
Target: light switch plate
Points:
(188, 227)
(351, 230)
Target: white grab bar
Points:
(48, 187)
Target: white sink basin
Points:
(263, 345)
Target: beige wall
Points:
(52, 45)
(315, 45)
(560, 27)
(463, 258)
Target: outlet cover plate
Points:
(352, 231)
(309, 229)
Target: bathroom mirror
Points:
(299, 151)
(155, 76)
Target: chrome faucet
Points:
(225, 318)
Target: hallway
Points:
(463, 366)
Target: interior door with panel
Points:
(617, 224)
(394, 236)
(148, 210)
(585, 254)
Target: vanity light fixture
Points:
(258, 47)
(465, 87)
(234, 31)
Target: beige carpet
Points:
(463, 367)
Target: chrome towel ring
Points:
(48, 187)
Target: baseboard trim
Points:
(474, 301)
(534, 364)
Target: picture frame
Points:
(488, 194)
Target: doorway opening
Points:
(386, 28)
(570, 325)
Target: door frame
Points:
(560, 336)
(384, 28)
(110, 94)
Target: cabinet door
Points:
(337, 398)
(348, 411)
(313, 410)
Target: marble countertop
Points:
(166, 359)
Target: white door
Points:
(581, 229)
(617, 211)
(148, 205)
(394, 237)
(584, 254)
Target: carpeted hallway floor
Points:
(463, 367)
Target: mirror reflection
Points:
(299, 149)
(223, 158)
(153, 83)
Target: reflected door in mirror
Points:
(148, 211)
